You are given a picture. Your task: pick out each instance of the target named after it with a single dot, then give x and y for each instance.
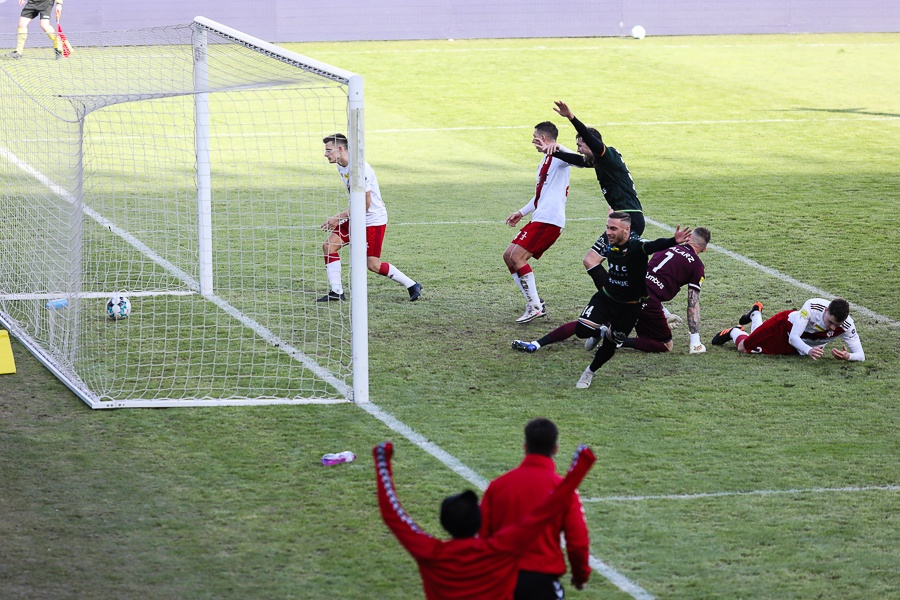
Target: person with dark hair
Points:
(667, 272)
(337, 152)
(32, 9)
(548, 210)
(614, 178)
(804, 332)
(516, 493)
(469, 566)
(613, 310)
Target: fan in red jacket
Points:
(466, 566)
(510, 497)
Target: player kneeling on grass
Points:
(667, 272)
(804, 331)
(467, 566)
(337, 152)
(618, 303)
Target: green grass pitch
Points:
(719, 476)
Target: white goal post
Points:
(182, 167)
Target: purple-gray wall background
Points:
(323, 20)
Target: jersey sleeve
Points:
(854, 344)
(418, 543)
(799, 319)
(513, 539)
(657, 245)
(572, 158)
(577, 540)
(592, 140)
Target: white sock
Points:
(530, 289)
(755, 320)
(666, 312)
(536, 345)
(333, 269)
(736, 332)
(518, 281)
(398, 276)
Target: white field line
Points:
(860, 116)
(816, 490)
(631, 45)
(863, 117)
(818, 292)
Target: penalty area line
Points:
(815, 490)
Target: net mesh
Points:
(99, 170)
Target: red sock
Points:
(333, 257)
(384, 269)
(524, 270)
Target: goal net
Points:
(181, 167)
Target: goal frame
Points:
(359, 391)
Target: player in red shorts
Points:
(547, 222)
(337, 153)
(804, 331)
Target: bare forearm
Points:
(693, 311)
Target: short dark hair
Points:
(839, 309)
(702, 233)
(548, 128)
(624, 216)
(541, 436)
(461, 515)
(338, 138)
(593, 130)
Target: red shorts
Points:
(772, 336)
(374, 237)
(537, 237)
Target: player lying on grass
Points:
(804, 331)
(466, 566)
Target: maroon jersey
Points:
(672, 268)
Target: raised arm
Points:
(593, 140)
(408, 533)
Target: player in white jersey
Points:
(804, 331)
(548, 210)
(337, 153)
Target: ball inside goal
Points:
(118, 307)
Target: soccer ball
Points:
(118, 307)
(638, 32)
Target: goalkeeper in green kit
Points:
(32, 9)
